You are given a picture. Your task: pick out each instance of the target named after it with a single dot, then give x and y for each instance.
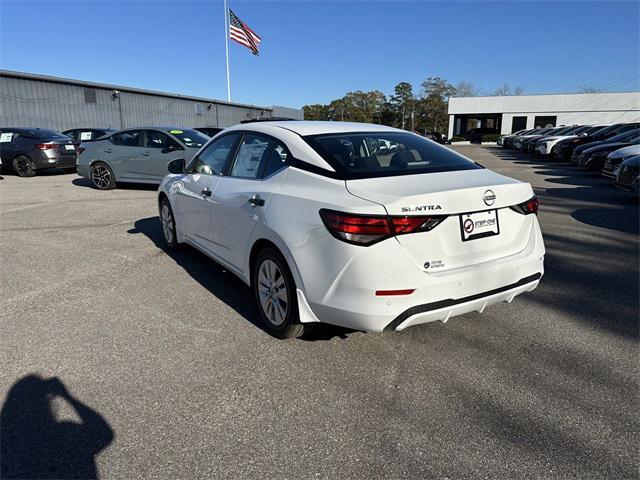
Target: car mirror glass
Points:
(176, 166)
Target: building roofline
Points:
(107, 86)
(547, 95)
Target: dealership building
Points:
(509, 114)
(28, 100)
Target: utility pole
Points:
(413, 115)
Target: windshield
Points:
(191, 138)
(385, 154)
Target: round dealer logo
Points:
(468, 225)
(489, 198)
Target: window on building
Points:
(545, 122)
(199, 109)
(518, 123)
(90, 95)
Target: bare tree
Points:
(504, 90)
(518, 90)
(465, 89)
(588, 88)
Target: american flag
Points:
(241, 33)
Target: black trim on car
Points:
(427, 307)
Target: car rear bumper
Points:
(55, 162)
(353, 302)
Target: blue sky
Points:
(313, 52)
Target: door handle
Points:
(256, 201)
(108, 150)
(206, 192)
(145, 154)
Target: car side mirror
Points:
(176, 166)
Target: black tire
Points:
(23, 166)
(102, 176)
(271, 305)
(168, 224)
(69, 170)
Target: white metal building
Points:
(29, 100)
(508, 114)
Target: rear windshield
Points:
(191, 138)
(42, 133)
(385, 154)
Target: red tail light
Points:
(46, 146)
(369, 229)
(528, 207)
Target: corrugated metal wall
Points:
(46, 104)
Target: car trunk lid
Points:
(498, 232)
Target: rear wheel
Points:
(102, 176)
(275, 293)
(23, 166)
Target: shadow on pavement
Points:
(222, 284)
(36, 444)
(85, 182)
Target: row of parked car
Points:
(103, 155)
(612, 150)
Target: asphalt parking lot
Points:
(179, 382)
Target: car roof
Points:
(307, 127)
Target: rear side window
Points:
(258, 156)
(132, 138)
(385, 154)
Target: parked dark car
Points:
(594, 158)
(628, 175)
(602, 135)
(27, 150)
(507, 140)
(87, 134)
(620, 137)
(209, 131)
(475, 134)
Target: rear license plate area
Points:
(479, 225)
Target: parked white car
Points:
(545, 146)
(325, 227)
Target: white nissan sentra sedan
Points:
(358, 225)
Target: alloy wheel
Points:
(22, 165)
(272, 291)
(167, 223)
(101, 176)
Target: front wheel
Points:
(168, 223)
(275, 293)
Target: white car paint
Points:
(340, 283)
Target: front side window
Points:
(131, 138)
(385, 154)
(211, 160)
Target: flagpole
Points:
(226, 44)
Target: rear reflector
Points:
(389, 293)
(369, 229)
(528, 207)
